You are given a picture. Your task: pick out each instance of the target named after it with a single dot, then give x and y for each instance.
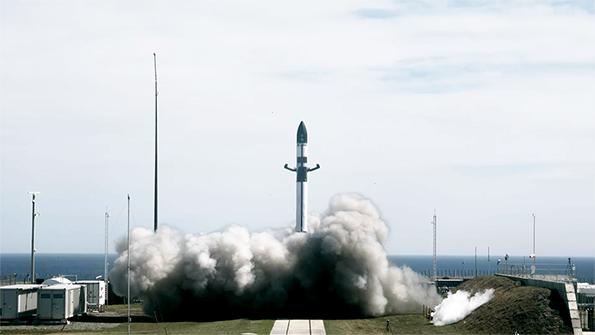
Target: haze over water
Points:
(89, 266)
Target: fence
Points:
(15, 279)
(459, 273)
(8, 280)
(555, 272)
(562, 272)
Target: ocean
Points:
(90, 266)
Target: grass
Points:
(149, 327)
(215, 327)
(399, 324)
(135, 309)
(165, 328)
(515, 308)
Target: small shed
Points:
(18, 301)
(95, 293)
(59, 299)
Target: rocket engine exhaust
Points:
(339, 269)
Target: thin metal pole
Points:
(155, 195)
(533, 235)
(105, 256)
(434, 261)
(33, 237)
(475, 261)
(489, 264)
(128, 293)
(533, 256)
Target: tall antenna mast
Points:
(33, 215)
(434, 263)
(475, 261)
(533, 268)
(155, 196)
(105, 256)
(489, 264)
(533, 236)
(128, 268)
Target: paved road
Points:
(298, 327)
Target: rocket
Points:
(302, 169)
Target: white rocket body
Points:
(301, 215)
(301, 169)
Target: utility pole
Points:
(489, 264)
(128, 268)
(475, 261)
(33, 215)
(105, 257)
(533, 256)
(434, 263)
(488, 253)
(155, 195)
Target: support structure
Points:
(128, 267)
(105, 256)
(475, 261)
(489, 264)
(434, 261)
(33, 215)
(155, 216)
(533, 256)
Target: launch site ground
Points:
(514, 308)
(400, 324)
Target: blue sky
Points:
(482, 110)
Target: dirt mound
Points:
(515, 308)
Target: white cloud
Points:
(397, 97)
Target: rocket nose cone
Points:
(302, 133)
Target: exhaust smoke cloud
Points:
(339, 269)
(458, 305)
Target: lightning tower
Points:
(155, 199)
(434, 263)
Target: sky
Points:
(482, 111)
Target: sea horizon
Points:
(388, 254)
(91, 265)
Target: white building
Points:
(18, 301)
(59, 299)
(95, 293)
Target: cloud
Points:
(414, 88)
(374, 13)
(446, 75)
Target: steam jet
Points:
(302, 169)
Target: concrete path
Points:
(298, 327)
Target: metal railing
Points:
(8, 280)
(459, 273)
(551, 272)
(558, 272)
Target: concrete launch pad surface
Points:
(298, 327)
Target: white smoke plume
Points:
(338, 269)
(458, 305)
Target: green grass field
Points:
(399, 324)
(216, 327)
